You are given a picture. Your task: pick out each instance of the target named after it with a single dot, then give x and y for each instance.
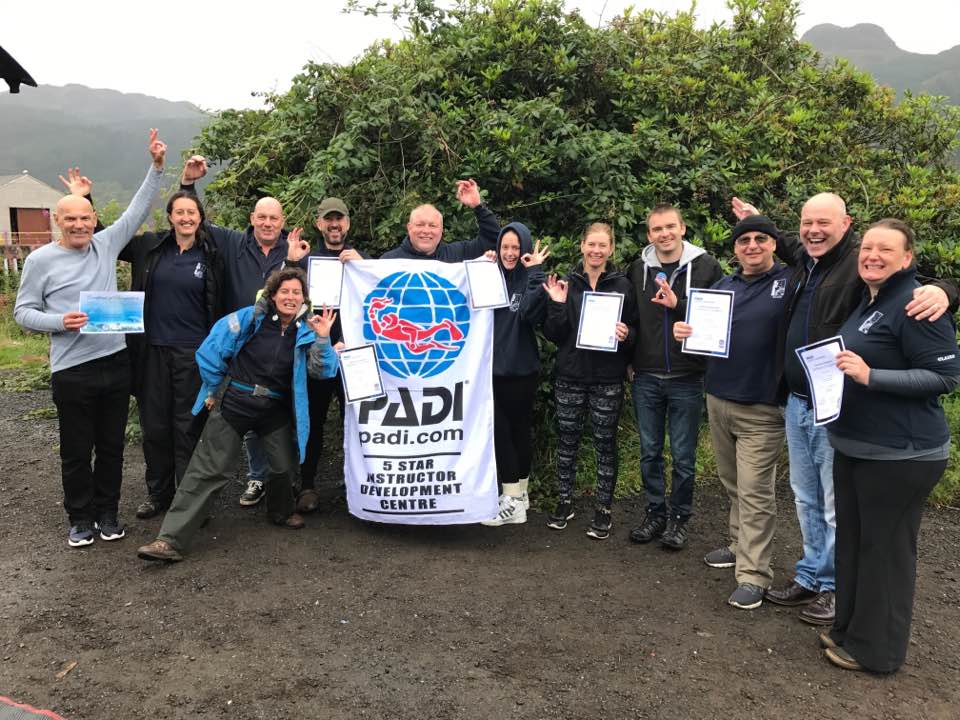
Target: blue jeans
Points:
(811, 478)
(655, 402)
(257, 462)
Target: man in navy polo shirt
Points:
(744, 399)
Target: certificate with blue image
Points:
(112, 312)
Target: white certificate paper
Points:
(488, 289)
(112, 312)
(325, 280)
(824, 378)
(599, 315)
(709, 313)
(361, 374)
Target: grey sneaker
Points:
(746, 596)
(720, 558)
(557, 520)
(109, 528)
(80, 535)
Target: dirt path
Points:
(348, 619)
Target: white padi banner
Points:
(424, 453)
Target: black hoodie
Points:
(458, 250)
(515, 351)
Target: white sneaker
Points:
(525, 499)
(511, 512)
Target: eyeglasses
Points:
(760, 239)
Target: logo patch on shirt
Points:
(779, 288)
(199, 271)
(870, 322)
(515, 301)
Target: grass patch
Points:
(23, 351)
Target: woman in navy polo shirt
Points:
(891, 446)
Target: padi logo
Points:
(418, 322)
(199, 271)
(778, 289)
(870, 322)
(944, 358)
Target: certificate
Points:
(325, 280)
(709, 313)
(488, 289)
(599, 315)
(112, 312)
(361, 374)
(824, 378)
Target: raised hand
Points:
(742, 209)
(556, 289)
(297, 248)
(322, 322)
(158, 149)
(193, 169)
(468, 193)
(665, 294)
(537, 256)
(76, 184)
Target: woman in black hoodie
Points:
(588, 378)
(516, 367)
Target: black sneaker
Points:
(110, 528)
(600, 527)
(650, 529)
(558, 518)
(675, 535)
(747, 596)
(253, 494)
(720, 558)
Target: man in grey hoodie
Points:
(90, 373)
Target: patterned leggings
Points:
(605, 402)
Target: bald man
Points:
(425, 231)
(90, 373)
(828, 290)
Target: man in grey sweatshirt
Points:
(90, 373)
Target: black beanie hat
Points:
(755, 223)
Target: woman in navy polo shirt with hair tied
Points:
(891, 445)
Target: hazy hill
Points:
(105, 132)
(869, 48)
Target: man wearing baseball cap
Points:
(333, 222)
(745, 394)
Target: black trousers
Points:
(92, 402)
(879, 506)
(513, 425)
(169, 387)
(320, 394)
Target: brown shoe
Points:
(291, 522)
(793, 593)
(308, 501)
(826, 641)
(841, 658)
(159, 550)
(821, 611)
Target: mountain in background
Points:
(870, 49)
(104, 132)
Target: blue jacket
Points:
(230, 334)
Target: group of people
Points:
(232, 355)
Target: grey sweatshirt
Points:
(54, 276)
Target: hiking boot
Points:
(294, 521)
(80, 535)
(650, 529)
(151, 507)
(821, 610)
(110, 528)
(557, 520)
(159, 550)
(747, 596)
(600, 527)
(510, 512)
(253, 494)
(791, 594)
(720, 558)
(675, 534)
(308, 501)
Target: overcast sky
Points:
(215, 53)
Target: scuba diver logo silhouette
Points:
(418, 322)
